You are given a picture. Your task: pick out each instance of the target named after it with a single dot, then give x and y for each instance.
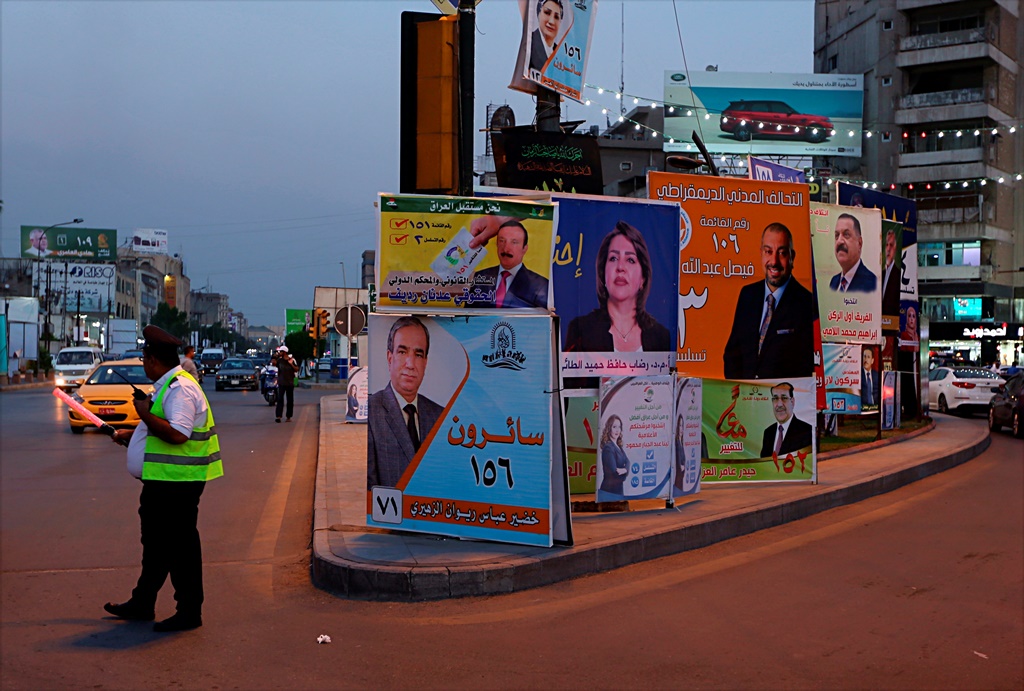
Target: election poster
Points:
(759, 431)
(892, 248)
(358, 396)
(556, 44)
(763, 169)
(903, 211)
(690, 446)
(615, 283)
(89, 244)
(745, 308)
(442, 253)
(843, 378)
(581, 422)
(890, 400)
(549, 161)
(635, 449)
(847, 245)
(296, 320)
(462, 437)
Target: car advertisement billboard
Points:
(149, 241)
(764, 113)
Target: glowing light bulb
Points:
(977, 132)
(850, 133)
(689, 113)
(947, 185)
(965, 183)
(1019, 176)
(707, 116)
(587, 102)
(635, 101)
(868, 134)
(983, 182)
(874, 185)
(959, 133)
(1012, 130)
(833, 133)
(637, 128)
(671, 109)
(618, 95)
(1001, 180)
(994, 131)
(941, 135)
(760, 125)
(600, 91)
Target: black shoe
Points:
(130, 611)
(277, 420)
(178, 622)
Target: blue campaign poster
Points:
(476, 461)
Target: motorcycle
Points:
(268, 384)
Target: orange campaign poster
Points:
(746, 309)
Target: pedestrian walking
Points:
(286, 371)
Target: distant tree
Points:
(172, 320)
(300, 345)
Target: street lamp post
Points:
(39, 257)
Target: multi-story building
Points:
(944, 102)
(210, 308)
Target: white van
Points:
(71, 365)
(209, 360)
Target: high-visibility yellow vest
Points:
(196, 459)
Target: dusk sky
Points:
(259, 133)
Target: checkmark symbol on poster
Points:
(399, 239)
(399, 223)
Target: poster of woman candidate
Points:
(690, 444)
(614, 273)
(462, 439)
(443, 253)
(745, 307)
(847, 245)
(635, 450)
(556, 44)
(759, 431)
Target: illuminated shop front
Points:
(980, 342)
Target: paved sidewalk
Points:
(363, 562)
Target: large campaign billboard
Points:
(765, 113)
(745, 307)
(89, 244)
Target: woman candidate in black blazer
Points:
(621, 322)
(614, 463)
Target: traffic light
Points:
(323, 323)
(313, 323)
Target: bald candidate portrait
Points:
(512, 284)
(854, 277)
(772, 331)
(399, 418)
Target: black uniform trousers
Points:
(170, 544)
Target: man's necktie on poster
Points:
(842, 285)
(500, 297)
(778, 440)
(767, 320)
(414, 433)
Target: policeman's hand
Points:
(122, 436)
(142, 405)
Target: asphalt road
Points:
(920, 588)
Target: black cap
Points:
(158, 339)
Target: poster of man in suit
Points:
(847, 245)
(743, 244)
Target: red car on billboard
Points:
(747, 119)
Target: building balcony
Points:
(943, 98)
(936, 158)
(948, 38)
(906, 5)
(952, 170)
(954, 273)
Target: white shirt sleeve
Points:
(184, 406)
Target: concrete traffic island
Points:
(357, 561)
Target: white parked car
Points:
(961, 389)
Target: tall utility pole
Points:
(467, 89)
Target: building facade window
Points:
(886, 81)
(949, 253)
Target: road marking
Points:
(268, 529)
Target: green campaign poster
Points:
(296, 320)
